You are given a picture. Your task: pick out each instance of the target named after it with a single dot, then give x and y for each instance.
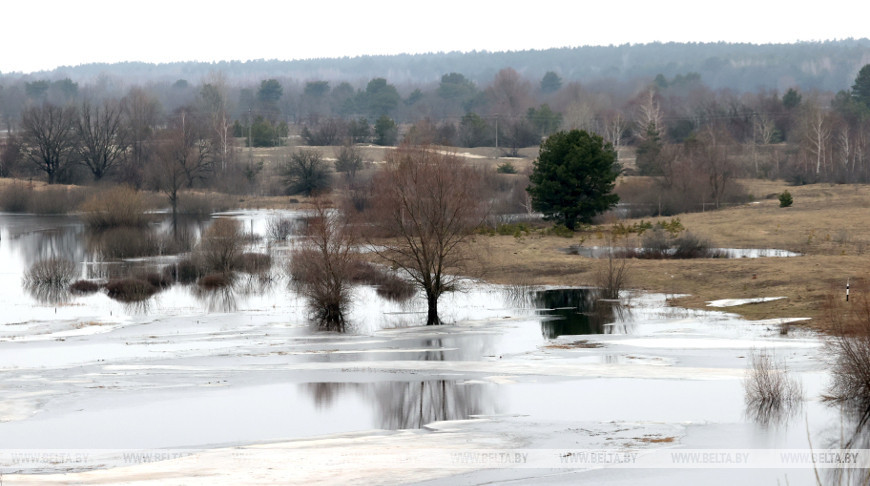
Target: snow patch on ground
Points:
(736, 302)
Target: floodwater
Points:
(514, 369)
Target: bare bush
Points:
(253, 263)
(84, 287)
(221, 244)
(124, 242)
(130, 289)
(184, 271)
(321, 267)
(612, 275)
(348, 160)
(278, 228)
(114, 207)
(203, 205)
(51, 272)
(770, 391)
(158, 280)
(57, 199)
(15, 197)
(850, 348)
(689, 245)
(387, 284)
(656, 243)
(19, 197)
(215, 281)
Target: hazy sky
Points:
(36, 35)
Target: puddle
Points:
(604, 251)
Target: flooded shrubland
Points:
(181, 362)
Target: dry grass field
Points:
(828, 224)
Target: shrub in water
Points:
(125, 242)
(221, 245)
(253, 263)
(770, 390)
(278, 228)
(15, 198)
(184, 271)
(118, 206)
(53, 272)
(130, 289)
(202, 205)
(84, 287)
(387, 284)
(215, 281)
(158, 280)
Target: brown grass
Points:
(656, 440)
(114, 207)
(582, 344)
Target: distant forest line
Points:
(825, 65)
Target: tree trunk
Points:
(174, 201)
(432, 316)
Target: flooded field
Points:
(234, 385)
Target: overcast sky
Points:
(37, 35)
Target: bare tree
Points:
(615, 127)
(649, 116)
(49, 138)
(817, 133)
(430, 203)
(102, 138)
(167, 176)
(141, 112)
(189, 146)
(214, 100)
(509, 95)
(183, 156)
(322, 266)
(710, 152)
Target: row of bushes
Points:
(387, 284)
(20, 197)
(115, 206)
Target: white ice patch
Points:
(736, 302)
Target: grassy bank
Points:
(826, 224)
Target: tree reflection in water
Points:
(853, 435)
(413, 404)
(220, 299)
(579, 311)
(48, 294)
